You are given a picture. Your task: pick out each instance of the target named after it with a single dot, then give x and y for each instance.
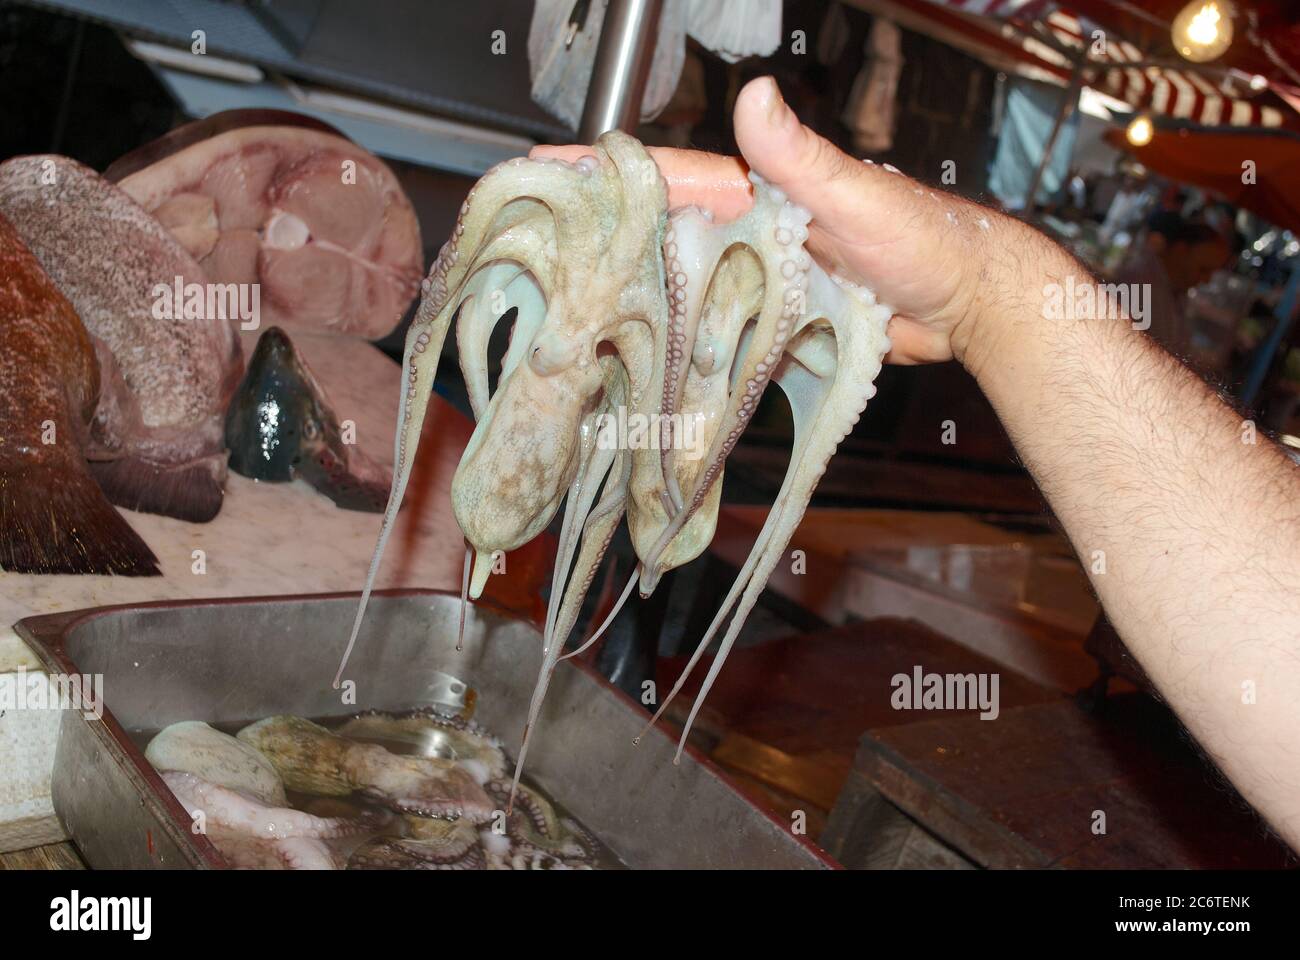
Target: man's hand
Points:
(925, 253)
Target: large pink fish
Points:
(272, 198)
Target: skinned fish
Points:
(280, 427)
(53, 516)
(156, 443)
(268, 197)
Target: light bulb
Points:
(1140, 131)
(1203, 29)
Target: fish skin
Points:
(53, 516)
(156, 442)
(281, 427)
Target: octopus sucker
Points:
(623, 306)
(253, 835)
(244, 813)
(243, 852)
(311, 759)
(426, 845)
(534, 826)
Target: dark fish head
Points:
(273, 412)
(280, 426)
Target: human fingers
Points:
(715, 183)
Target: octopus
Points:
(532, 836)
(311, 759)
(623, 307)
(237, 799)
(538, 836)
(428, 844)
(430, 732)
(193, 746)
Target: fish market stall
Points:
(446, 437)
(193, 417)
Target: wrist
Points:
(1009, 299)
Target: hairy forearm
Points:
(1190, 531)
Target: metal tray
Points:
(233, 661)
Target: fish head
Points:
(275, 416)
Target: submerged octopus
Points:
(625, 307)
(236, 798)
(444, 775)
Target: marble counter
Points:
(268, 539)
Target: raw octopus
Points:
(280, 427)
(251, 834)
(625, 307)
(429, 732)
(156, 441)
(321, 224)
(532, 836)
(53, 516)
(540, 836)
(238, 797)
(428, 844)
(236, 792)
(192, 746)
(311, 759)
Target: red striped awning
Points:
(1181, 94)
(1050, 36)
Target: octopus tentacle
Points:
(785, 266)
(535, 825)
(598, 462)
(420, 361)
(827, 376)
(311, 759)
(431, 732)
(427, 845)
(246, 814)
(609, 619)
(493, 291)
(244, 852)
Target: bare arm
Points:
(1198, 532)
(1194, 520)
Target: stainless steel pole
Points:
(618, 77)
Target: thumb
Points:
(811, 170)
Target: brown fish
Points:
(53, 516)
(156, 442)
